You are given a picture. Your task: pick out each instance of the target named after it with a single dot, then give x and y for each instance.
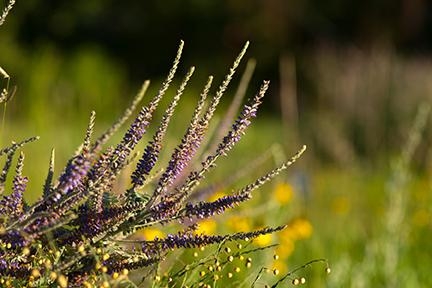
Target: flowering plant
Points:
(76, 233)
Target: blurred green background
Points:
(347, 79)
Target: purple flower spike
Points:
(208, 209)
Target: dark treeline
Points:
(138, 32)
(342, 72)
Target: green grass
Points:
(350, 205)
(346, 207)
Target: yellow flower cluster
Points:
(298, 229)
(263, 240)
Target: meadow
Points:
(358, 201)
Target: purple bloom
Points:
(191, 141)
(228, 142)
(74, 174)
(146, 163)
(208, 209)
(151, 152)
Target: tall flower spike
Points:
(224, 125)
(186, 149)
(72, 176)
(19, 181)
(101, 171)
(5, 171)
(118, 263)
(10, 152)
(97, 186)
(228, 142)
(162, 212)
(208, 209)
(151, 152)
(238, 129)
(176, 166)
(203, 124)
(225, 83)
(201, 102)
(14, 204)
(219, 93)
(85, 146)
(79, 165)
(6, 11)
(127, 113)
(4, 91)
(18, 145)
(187, 240)
(139, 126)
(47, 189)
(4, 73)
(89, 132)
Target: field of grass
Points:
(367, 213)
(371, 224)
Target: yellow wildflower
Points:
(239, 224)
(150, 233)
(206, 226)
(304, 228)
(283, 193)
(285, 249)
(263, 240)
(298, 229)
